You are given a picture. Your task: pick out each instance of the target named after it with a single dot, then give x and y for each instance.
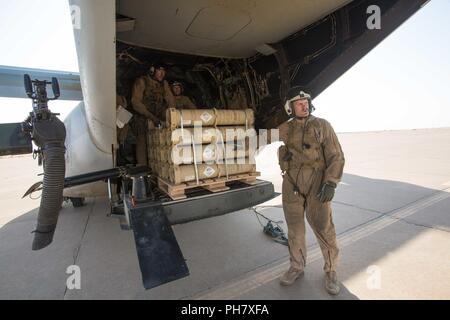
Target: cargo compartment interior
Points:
(240, 86)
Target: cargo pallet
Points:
(178, 191)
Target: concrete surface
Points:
(392, 214)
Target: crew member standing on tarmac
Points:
(181, 101)
(312, 164)
(151, 96)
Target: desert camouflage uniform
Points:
(150, 99)
(183, 102)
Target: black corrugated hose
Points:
(50, 136)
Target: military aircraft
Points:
(227, 53)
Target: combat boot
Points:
(290, 276)
(331, 283)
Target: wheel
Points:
(77, 202)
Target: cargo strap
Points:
(246, 121)
(195, 159)
(216, 116)
(224, 152)
(222, 141)
(182, 125)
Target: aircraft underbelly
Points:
(231, 29)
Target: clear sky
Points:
(403, 83)
(36, 34)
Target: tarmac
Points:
(391, 212)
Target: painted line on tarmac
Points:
(255, 279)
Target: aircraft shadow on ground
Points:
(22, 271)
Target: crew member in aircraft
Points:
(151, 96)
(312, 163)
(181, 101)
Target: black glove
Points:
(326, 192)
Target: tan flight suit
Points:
(319, 160)
(183, 102)
(150, 99)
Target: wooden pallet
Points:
(178, 191)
